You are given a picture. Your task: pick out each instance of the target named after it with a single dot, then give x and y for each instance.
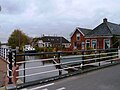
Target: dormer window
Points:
(78, 36)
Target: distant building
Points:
(78, 38)
(101, 37)
(52, 41)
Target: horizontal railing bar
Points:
(109, 57)
(41, 53)
(73, 56)
(37, 67)
(99, 58)
(64, 63)
(52, 71)
(64, 57)
(37, 60)
(51, 65)
(100, 61)
(79, 56)
(108, 53)
(47, 72)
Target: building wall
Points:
(67, 45)
(100, 42)
(74, 39)
(99, 45)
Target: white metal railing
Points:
(66, 62)
(6, 54)
(78, 61)
(83, 60)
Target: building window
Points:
(75, 45)
(94, 44)
(107, 43)
(87, 43)
(83, 45)
(78, 36)
(45, 44)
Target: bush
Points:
(43, 49)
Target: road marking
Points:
(45, 89)
(63, 88)
(24, 89)
(42, 86)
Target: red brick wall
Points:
(73, 39)
(100, 41)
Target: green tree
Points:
(18, 39)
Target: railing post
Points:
(10, 67)
(111, 57)
(24, 70)
(99, 57)
(0, 51)
(83, 58)
(95, 56)
(119, 53)
(14, 57)
(59, 67)
(5, 54)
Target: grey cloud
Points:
(36, 17)
(13, 6)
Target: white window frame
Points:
(75, 47)
(92, 43)
(87, 42)
(77, 35)
(104, 43)
(82, 45)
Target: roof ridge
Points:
(113, 23)
(108, 27)
(85, 28)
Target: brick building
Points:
(106, 35)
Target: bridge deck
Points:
(3, 70)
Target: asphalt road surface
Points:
(103, 79)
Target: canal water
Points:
(38, 70)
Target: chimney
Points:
(104, 20)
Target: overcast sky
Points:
(54, 17)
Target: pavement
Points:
(3, 70)
(102, 79)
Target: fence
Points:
(8, 55)
(68, 62)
